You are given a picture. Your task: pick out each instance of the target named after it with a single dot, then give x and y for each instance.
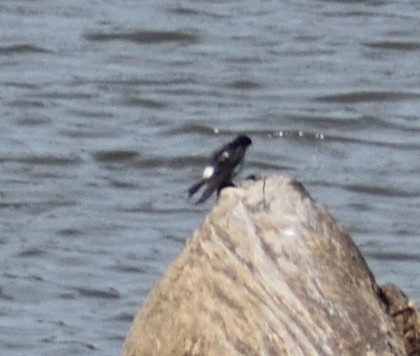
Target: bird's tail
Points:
(196, 187)
(206, 194)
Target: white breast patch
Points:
(208, 172)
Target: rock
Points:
(406, 316)
(269, 272)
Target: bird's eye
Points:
(225, 154)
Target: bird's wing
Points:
(220, 155)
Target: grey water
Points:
(109, 109)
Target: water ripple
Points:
(376, 190)
(47, 159)
(115, 155)
(394, 45)
(144, 36)
(110, 293)
(22, 49)
(367, 96)
(394, 256)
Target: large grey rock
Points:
(269, 272)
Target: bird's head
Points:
(243, 140)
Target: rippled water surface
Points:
(109, 109)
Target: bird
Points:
(224, 164)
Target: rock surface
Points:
(406, 316)
(269, 272)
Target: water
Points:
(109, 110)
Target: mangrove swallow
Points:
(224, 165)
